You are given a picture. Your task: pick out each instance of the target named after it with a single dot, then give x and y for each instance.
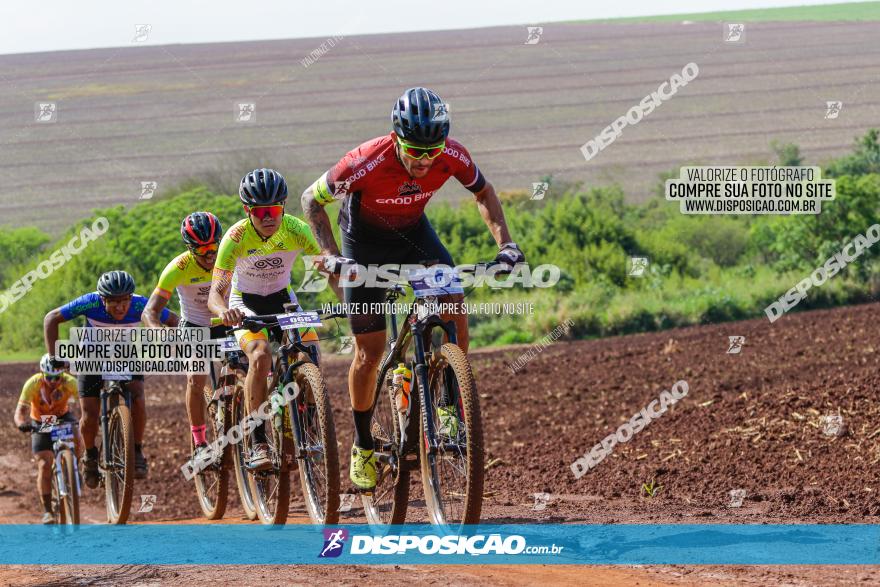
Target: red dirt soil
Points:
(750, 421)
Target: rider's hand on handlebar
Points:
(57, 363)
(510, 254)
(331, 264)
(26, 427)
(232, 317)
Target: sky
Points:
(85, 24)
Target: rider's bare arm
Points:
(152, 314)
(319, 221)
(220, 285)
(22, 414)
(172, 320)
(490, 209)
(50, 329)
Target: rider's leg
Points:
(138, 410)
(368, 348)
(90, 406)
(44, 477)
(78, 445)
(259, 355)
(89, 387)
(88, 426)
(195, 405)
(139, 423)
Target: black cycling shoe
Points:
(140, 465)
(91, 474)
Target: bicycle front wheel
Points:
(271, 488)
(452, 473)
(239, 451)
(212, 482)
(316, 445)
(389, 501)
(119, 473)
(69, 504)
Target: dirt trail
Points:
(750, 421)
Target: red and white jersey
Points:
(377, 192)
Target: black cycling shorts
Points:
(418, 245)
(90, 385)
(217, 332)
(41, 441)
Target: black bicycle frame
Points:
(417, 330)
(288, 370)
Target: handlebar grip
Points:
(216, 321)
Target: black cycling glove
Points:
(509, 254)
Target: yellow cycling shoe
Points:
(449, 421)
(363, 468)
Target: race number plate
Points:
(228, 344)
(296, 320)
(431, 281)
(62, 431)
(116, 376)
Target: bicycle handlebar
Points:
(35, 428)
(270, 320)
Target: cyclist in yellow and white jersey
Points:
(190, 275)
(253, 266)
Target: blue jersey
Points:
(92, 307)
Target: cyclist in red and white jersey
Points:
(383, 186)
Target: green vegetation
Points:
(702, 268)
(825, 12)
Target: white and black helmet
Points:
(115, 283)
(262, 187)
(47, 368)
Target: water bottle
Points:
(402, 382)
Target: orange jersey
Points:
(45, 400)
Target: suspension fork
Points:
(105, 425)
(59, 475)
(421, 374)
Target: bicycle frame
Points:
(291, 344)
(418, 327)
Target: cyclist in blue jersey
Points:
(113, 305)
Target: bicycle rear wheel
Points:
(452, 476)
(119, 474)
(69, 504)
(317, 450)
(212, 482)
(389, 501)
(239, 454)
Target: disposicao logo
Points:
(333, 542)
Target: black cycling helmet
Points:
(420, 116)
(200, 228)
(262, 187)
(115, 283)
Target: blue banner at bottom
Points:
(623, 544)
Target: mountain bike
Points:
(449, 457)
(222, 401)
(117, 455)
(65, 471)
(301, 432)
